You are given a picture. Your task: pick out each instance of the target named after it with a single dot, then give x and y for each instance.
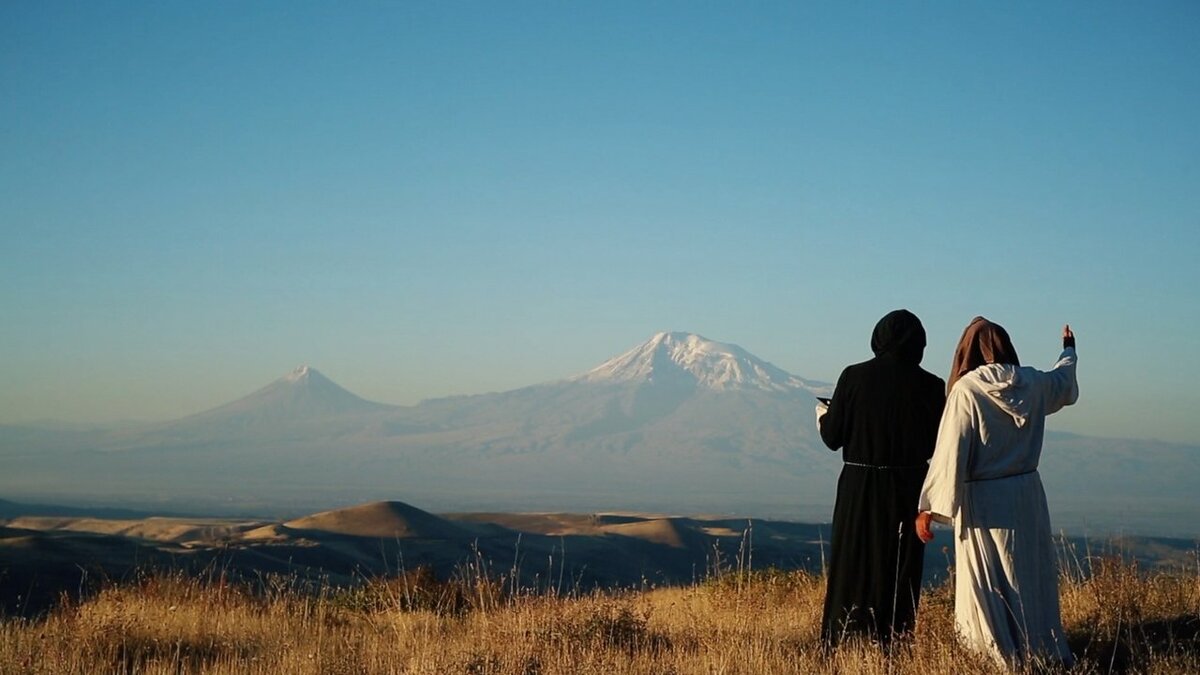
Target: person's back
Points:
(1011, 404)
(984, 478)
(1007, 405)
(884, 415)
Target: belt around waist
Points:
(884, 466)
(1011, 475)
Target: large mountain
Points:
(690, 360)
(678, 423)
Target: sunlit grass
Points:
(763, 622)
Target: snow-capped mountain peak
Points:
(676, 356)
(299, 373)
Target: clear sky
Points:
(425, 199)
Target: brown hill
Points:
(550, 523)
(179, 530)
(382, 520)
(670, 532)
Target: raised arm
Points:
(1060, 387)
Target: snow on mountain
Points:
(686, 357)
(303, 373)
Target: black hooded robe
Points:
(884, 415)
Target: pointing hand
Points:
(1068, 337)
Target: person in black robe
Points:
(884, 415)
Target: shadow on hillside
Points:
(1137, 646)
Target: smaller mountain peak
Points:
(303, 393)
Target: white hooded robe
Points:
(983, 476)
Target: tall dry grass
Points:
(1119, 620)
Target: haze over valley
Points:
(679, 424)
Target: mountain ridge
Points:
(677, 423)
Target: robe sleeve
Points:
(833, 423)
(948, 468)
(1059, 386)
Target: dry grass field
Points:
(1119, 621)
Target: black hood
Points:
(899, 334)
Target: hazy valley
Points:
(49, 550)
(679, 424)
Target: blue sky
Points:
(424, 199)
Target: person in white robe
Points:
(983, 479)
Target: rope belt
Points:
(1011, 475)
(879, 466)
